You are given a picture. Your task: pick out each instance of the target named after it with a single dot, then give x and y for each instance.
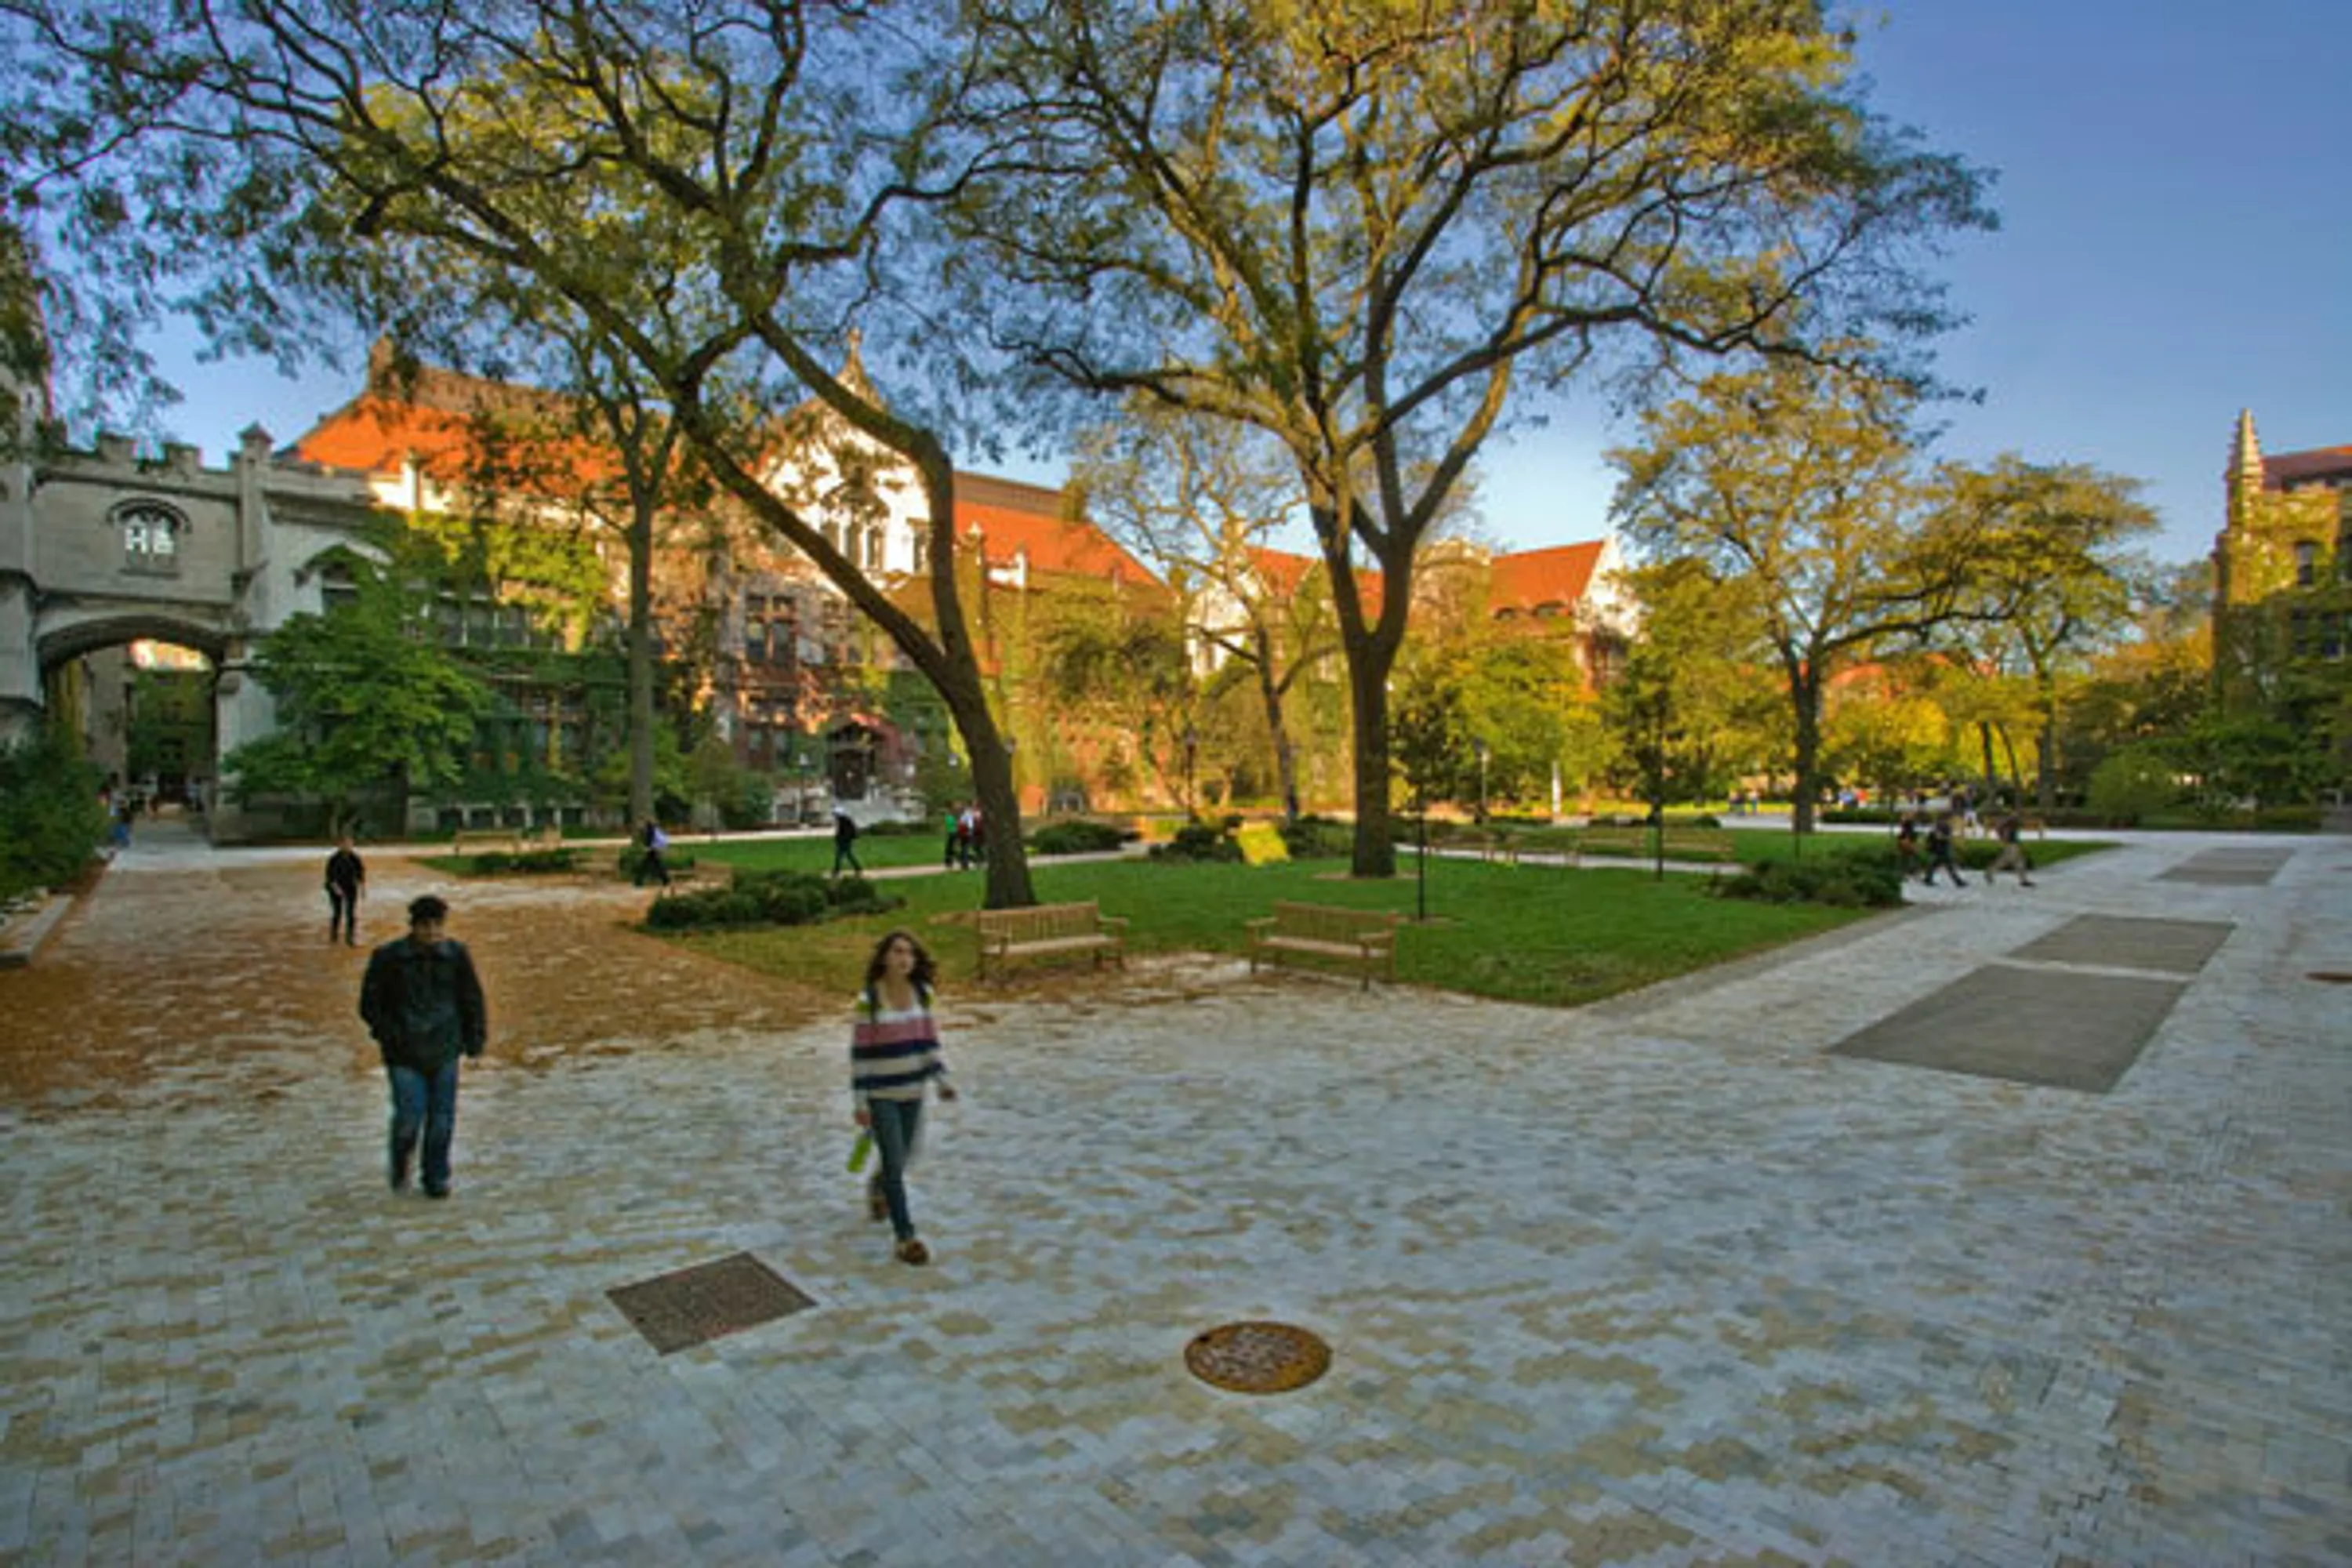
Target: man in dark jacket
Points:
(346, 875)
(423, 1002)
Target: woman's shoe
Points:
(912, 1251)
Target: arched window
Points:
(151, 536)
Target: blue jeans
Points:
(427, 1100)
(896, 1125)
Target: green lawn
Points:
(1755, 844)
(1529, 935)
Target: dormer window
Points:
(151, 537)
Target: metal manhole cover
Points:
(1258, 1357)
(693, 1306)
(2330, 976)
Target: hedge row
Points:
(769, 897)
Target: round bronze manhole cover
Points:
(1258, 1357)
(2330, 976)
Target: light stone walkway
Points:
(1656, 1282)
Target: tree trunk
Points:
(1805, 693)
(1984, 746)
(2016, 775)
(641, 662)
(1285, 762)
(2046, 766)
(1368, 673)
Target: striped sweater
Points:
(893, 1053)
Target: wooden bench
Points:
(1681, 842)
(1363, 938)
(1693, 843)
(483, 841)
(1612, 838)
(1050, 931)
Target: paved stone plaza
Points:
(1660, 1281)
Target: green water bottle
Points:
(860, 1151)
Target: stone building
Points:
(2282, 583)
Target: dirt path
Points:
(205, 965)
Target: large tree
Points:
(1801, 484)
(2054, 572)
(777, 142)
(368, 711)
(1366, 230)
(1203, 499)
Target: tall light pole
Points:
(1483, 753)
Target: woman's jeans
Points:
(427, 1100)
(896, 1124)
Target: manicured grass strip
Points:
(875, 852)
(1526, 935)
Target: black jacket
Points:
(424, 1003)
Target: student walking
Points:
(844, 840)
(893, 1052)
(1939, 851)
(346, 875)
(423, 1002)
(656, 845)
(2013, 855)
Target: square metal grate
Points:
(2053, 1029)
(2117, 942)
(693, 1305)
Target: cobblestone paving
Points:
(1657, 1282)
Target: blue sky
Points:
(2176, 198)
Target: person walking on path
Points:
(346, 875)
(1906, 846)
(423, 1002)
(844, 840)
(655, 843)
(2013, 857)
(954, 839)
(1939, 851)
(893, 1052)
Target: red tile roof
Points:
(1014, 517)
(1560, 575)
(2303, 467)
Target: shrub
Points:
(855, 895)
(530, 862)
(1318, 838)
(2131, 783)
(1075, 836)
(1197, 842)
(2290, 819)
(768, 898)
(50, 818)
(1856, 879)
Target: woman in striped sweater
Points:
(894, 1051)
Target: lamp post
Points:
(1481, 747)
(1192, 740)
(1420, 860)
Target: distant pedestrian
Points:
(119, 833)
(975, 835)
(954, 839)
(844, 840)
(1939, 851)
(346, 877)
(423, 1002)
(893, 1052)
(655, 845)
(2013, 855)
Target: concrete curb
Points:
(22, 937)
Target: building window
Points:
(2306, 564)
(151, 537)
